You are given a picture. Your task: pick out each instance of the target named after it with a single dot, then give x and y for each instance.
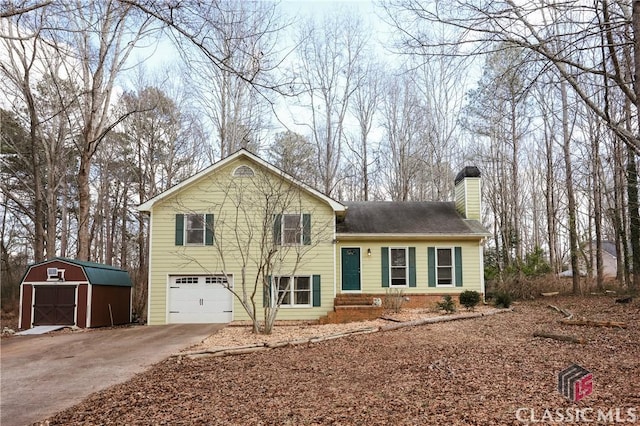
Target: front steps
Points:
(351, 307)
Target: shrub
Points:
(447, 304)
(502, 299)
(394, 299)
(469, 299)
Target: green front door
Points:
(350, 269)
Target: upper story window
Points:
(243, 171)
(194, 229)
(292, 229)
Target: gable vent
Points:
(243, 171)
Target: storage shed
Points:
(70, 292)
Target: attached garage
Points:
(200, 299)
(69, 292)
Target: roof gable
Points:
(96, 273)
(242, 153)
(417, 218)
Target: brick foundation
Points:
(350, 307)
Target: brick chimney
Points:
(468, 193)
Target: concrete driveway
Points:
(41, 375)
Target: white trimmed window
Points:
(294, 291)
(398, 266)
(444, 267)
(291, 229)
(194, 229)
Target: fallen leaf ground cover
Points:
(480, 371)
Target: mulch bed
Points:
(478, 371)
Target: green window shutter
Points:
(208, 233)
(277, 229)
(458, 265)
(316, 290)
(266, 294)
(412, 266)
(179, 229)
(306, 229)
(431, 265)
(385, 266)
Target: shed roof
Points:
(418, 218)
(97, 273)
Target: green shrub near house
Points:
(447, 304)
(469, 299)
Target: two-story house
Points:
(243, 224)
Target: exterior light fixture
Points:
(368, 252)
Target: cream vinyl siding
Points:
(215, 194)
(468, 193)
(371, 267)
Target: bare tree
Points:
(404, 119)
(366, 102)
(572, 40)
(245, 39)
(329, 54)
(95, 67)
(200, 24)
(11, 9)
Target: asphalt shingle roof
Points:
(424, 217)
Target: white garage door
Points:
(200, 299)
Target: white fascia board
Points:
(148, 205)
(398, 237)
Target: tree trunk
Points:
(632, 173)
(84, 205)
(634, 219)
(573, 233)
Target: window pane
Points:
(398, 257)
(444, 257)
(303, 297)
(445, 275)
(195, 237)
(291, 229)
(283, 283)
(291, 221)
(398, 281)
(195, 229)
(303, 283)
(284, 293)
(398, 272)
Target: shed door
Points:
(54, 305)
(199, 299)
